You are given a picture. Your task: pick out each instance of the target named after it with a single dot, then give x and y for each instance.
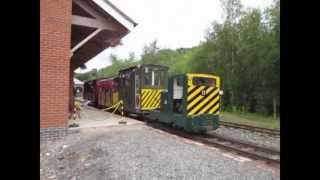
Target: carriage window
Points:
(177, 95)
(137, 83)
(202, 81)
(177, 88)
(147, 78)
(127, 80)
(157, 78)
(154, 77)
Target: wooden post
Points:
(274, 107)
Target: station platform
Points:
(93, 118)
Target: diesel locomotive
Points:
(192, 102)
(188, 101)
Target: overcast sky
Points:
(174, 23)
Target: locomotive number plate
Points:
(203, 92)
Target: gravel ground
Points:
(139, 152)
(245, 135)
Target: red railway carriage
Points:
(102, 92)
(89, 91)
(107, 92)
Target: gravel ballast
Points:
(254, 137)
(140, 152)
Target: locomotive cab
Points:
(140, 87)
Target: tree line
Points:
(244, 50)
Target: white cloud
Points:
(174, 23)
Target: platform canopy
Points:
(78, 82)
(96, 25)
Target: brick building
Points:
(71, 33)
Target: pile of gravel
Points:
(254, 137)
(138, 152)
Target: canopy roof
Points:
(77, 81)
(96, 25)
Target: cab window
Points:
(147, 77)
(154, 77)
(203, 81)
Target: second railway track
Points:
(268, 131)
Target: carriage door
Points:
(178, 95)
(130, 88)
(127, 90)
(137, 90)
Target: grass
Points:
(251, 119)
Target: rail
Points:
(251, 128)
(253, 151)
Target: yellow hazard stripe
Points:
(204, 101)
(144, 93)
(209, 105)
(195, 92)
(204, 105)
(150, 98)
(146, 98)
(191, 88)
(157, 97)
(196, 100)
(214, 109)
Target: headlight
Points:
(221, 92)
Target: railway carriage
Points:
(192, 102)
(140, 87)
(102, 92)
(107, 92)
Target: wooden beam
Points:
(85, 40)
(93, 23)
(85, 6)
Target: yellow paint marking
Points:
(191, 88)
(151, 99)
(214, 108)
(210, 104)
(196, 92)
(205, 100)
(145, 101)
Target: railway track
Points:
(268, 155)
(251, 150)
(251, 128)
(256, 152)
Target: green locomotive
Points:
(192, 102)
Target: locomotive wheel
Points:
(125, 113)
(175, 126)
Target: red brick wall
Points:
(71, 91)
(55, 36)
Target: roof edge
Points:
(122, 13)
(116, 13)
